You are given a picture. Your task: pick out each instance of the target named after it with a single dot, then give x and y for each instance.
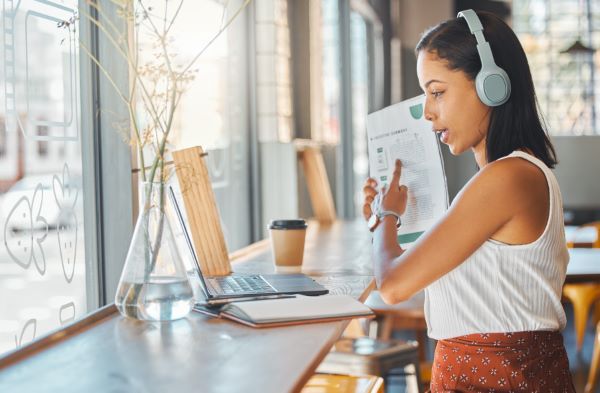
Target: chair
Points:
(331, 383)
(583, 295)
(317, 182)
(590, 386)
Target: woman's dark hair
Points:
(516, 124)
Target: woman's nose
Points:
(429, 115)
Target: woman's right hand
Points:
(369, 192)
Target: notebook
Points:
(292, 310)
(219, 290)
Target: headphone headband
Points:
(474, 24)
(476, 28)
(492, 82)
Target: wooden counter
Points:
(106, 352)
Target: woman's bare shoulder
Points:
(514, 171)
(514, 178)
(510, 180)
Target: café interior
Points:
(116, 113)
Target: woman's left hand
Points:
(394, 197)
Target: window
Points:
(358, 60)
(42, 144)
(3, 141)
(46, 110)
(567, 81)
(330, 110)
(42, 255)
(213, 112)
(359, 52)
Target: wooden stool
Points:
(368, 356)
(583, 295)
(331, 383)
(317, 182)
(590, 386)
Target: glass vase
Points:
(154, 284)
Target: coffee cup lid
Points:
(288, 224)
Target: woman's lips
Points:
(444, 136)
(443, 133)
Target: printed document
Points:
(401, 131)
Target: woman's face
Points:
(452, 105)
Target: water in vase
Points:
(160, 299)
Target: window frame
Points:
(107, 180)
(345, 184)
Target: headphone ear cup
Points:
(493, 86)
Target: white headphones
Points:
(492, 82)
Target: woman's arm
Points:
(500, 192)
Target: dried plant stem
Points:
(246, 2)
(174, 17)
(126, 57)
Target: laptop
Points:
(237, 287)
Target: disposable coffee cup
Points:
(287, 244)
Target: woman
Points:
(494, 265)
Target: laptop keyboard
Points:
(241, 284)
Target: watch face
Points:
(373, 220)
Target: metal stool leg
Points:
(411, 373)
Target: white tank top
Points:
(502, 287)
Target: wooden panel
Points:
(202, 211)
(198, 353)
(317, 183)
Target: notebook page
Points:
(297, 308)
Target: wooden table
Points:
(584, 265)
(106, 352)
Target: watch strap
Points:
(384, 213)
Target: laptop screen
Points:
(188, 241)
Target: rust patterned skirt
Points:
(502, 362)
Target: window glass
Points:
(330, 132)
(213, 111)
(359, 52)
(2, 137)
(366, 77)
(42, 268)
(567, 82)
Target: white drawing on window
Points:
(66, 314)
(49, 92)
(27, 333)
(20, 227)
(65, 195)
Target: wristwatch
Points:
(376, 218)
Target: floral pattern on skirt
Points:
(502, 362)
